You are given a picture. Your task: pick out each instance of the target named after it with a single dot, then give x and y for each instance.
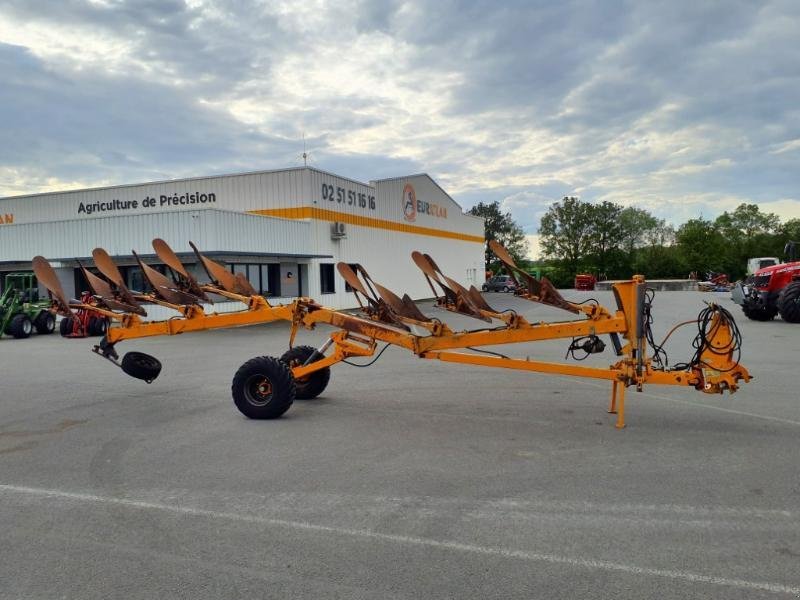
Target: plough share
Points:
(265, 387)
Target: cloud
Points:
(527, 208)
(534, 249)
(98, 129)
(679, 108)
(789, 146)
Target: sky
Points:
(685, 108)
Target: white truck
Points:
(754, 264)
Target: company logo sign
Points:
(409, 203)
(6, 218)
(413, 207)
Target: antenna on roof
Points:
(306, 155)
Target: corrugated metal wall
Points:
(211, 230)
(390, 192)
(239, 193)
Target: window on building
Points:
(251, 272)
(239, 268)
(135, 278)
(347, 286)
(271, 279)
(265, 279)
(302, 278)
(81, 284)
(326, 278)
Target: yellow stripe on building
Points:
(312, 212)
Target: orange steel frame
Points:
(358, 336)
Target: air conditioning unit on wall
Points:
(338, 230)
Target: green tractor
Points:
(20, 307)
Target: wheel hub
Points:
(259, 390)
(264, 388)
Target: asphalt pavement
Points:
(408, 479)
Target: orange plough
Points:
(265, 387)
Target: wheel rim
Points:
(27, 326)
(145, 361)
(258, 390)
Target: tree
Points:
(748, 220)
(701, 245)
(748, 233)
(501, 227)
(606, 231)
(579, 236)
(789, 232)
(659, 261)
(567, 231)
(661, 234)
(635, 224)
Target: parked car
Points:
(500, 283)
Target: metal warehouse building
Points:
(285, 230)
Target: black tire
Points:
(312, 385)
(759, 314)
(505, 289)
(45, 323)
(485, 287)
(20, 326)
(141, 366)
(263, 388)
(65, 326)
(789, 303)
(97, 326)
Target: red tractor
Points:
(772, 290)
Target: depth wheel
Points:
(141, 366)
(312, 385)
(263, 388)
